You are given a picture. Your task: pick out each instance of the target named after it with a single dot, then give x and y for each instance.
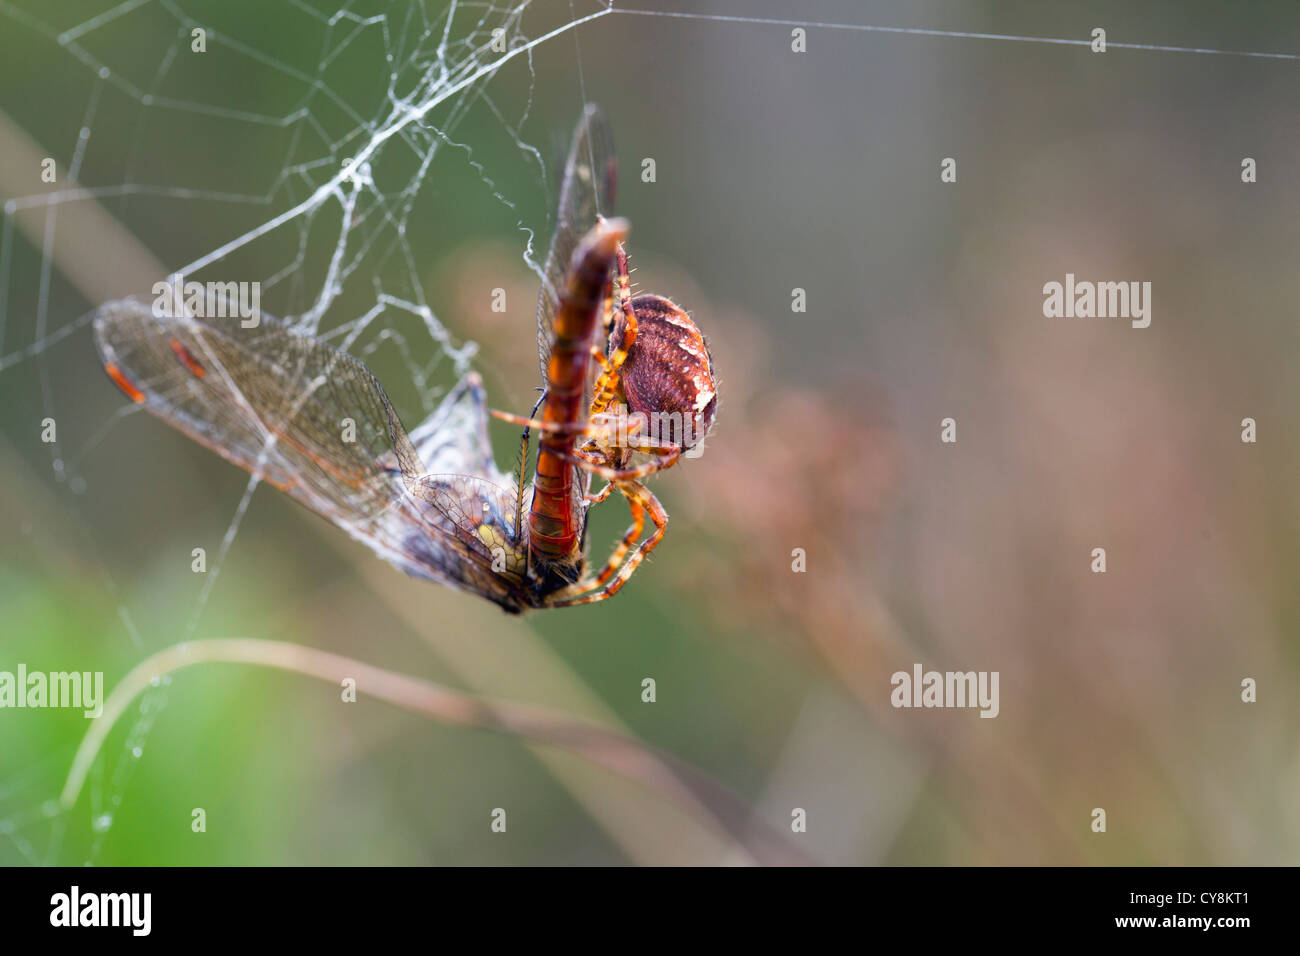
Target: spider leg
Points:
(599, 425)
(607, 312)
(607, 385)
(624, 545)
(592, 458)
(601, 360)
(598, 498)
(608, 308)
(638, 496)
(664, 455)
(575, 428)
(533, 422)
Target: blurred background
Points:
(774, 170)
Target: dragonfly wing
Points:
(301, 415)
(586, 191)
(454, 438)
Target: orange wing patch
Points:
(124, 383)
(187, 359)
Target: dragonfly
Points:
(312, 421)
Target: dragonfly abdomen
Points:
(554, 519)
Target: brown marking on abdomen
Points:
(668, 370)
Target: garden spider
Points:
(655, 373)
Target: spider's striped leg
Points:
(665, 455)
(602, 424)
(562, 428)
(607, 310)
(533, 422)
(598, 498)
(629, 538)
(607, 385)
(594, 454)
(638, 496)
(608, 306)
(601, 360)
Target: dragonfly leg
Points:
(521, 481)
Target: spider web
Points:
(352, 174)
(327, 233)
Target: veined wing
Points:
(586, 191)
(454, 438)
(310, 420)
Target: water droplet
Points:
(155, 681)
(102, 822)
(137, 752)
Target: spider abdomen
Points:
(668, 373)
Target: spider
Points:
(656, 374)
